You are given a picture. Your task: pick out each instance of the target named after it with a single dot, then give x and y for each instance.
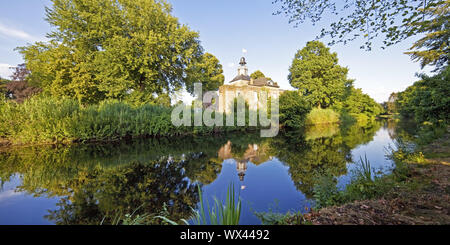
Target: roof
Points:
(262, 81)
(241, 77)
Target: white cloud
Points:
(8, 194)
(5, 71)
(244, 51)
(15, 33)
(231, 64)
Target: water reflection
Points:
(94, 183)
(253, 154)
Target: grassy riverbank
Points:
(45, 120)
(416, 192)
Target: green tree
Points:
(360, 18)
(390, 104)
(258, 74)
(317, 75)
(390, 20)
(359, 103)
(436, 43)
(102, 49)
(293, 109)
(208, 71)
(427, 99)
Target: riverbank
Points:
(429, 204)
(420, 195)
(45, 120)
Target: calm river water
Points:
(85, 184)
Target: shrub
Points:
(293, 109)
(49, 120)
(365, 184)
(322, 116)
(427, 99)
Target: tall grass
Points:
(365, 184)
(49, 120)
(364, 171)
(322, 116)
(228, 213)
(219, 214)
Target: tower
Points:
(243, 70)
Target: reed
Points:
(322, 116)
(219, 214)
(49, 120)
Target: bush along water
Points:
(49, 120)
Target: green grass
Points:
(322, 116)
(49, 120)
(365, 184)
(220, 213)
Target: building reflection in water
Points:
(253, 154)
(241, 168)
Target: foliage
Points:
(107, 181)
(405, 152)
(272, 217)
(43, 119)
(427, 99)
(393, 20)
(317, 75)
(322, 116)
(46, 119)
(3, 90)
(436, 25)
(390, 105)
(220, 214)
(258, 74)
(228, 213)
(326, 193)
(365, 184)
(318, 131)
(138, 189)
(102, 49)
(130, 219)
(293, 109)
(357, 104)
(308, 159)
(47, 170)
(19, 87)
(208, 71)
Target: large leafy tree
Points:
(208, 71)
(356, 102)
(390, 20)
(427, 99)
(118, 49)
(258, 74)
(317, 75)
(293, 109)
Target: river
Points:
(91, 183)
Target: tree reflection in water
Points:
(101, 182)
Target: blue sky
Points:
(227, 27)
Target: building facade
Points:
(248, 88)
